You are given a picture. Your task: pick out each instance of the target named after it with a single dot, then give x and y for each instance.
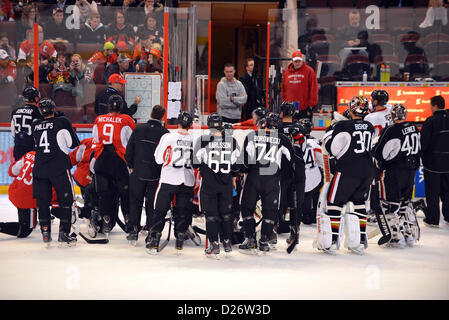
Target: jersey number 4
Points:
(43, 142)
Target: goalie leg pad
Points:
(391, 211)
(352, 230)
(324, 236)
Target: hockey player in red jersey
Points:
(21, 195)
(111, 133)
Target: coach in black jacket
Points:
(435, 158)
(116, 86)
(145, 172)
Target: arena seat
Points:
(390, 60)
(330, 65)
(355, 66)
(441, 68)
(417, 65)
(384, 40)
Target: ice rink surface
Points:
(119, 271)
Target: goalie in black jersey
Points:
(216, 155)
(262, 152)
(350, 143)
(397, 154)
(54, 137)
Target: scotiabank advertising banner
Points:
(415, 98)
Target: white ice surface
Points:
(119, 271)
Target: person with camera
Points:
(231, 96)
(78, 75)
(59, 77)
(4, 40)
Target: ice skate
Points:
(144, 231)
(332, 250)
(65, 240)
(192, 235)
(372, 219)
(249, 246)
(263, 244)
(213, 250)
(292, 237)
(272, 241)
(107, 225)
(152, 243)
(359, 250)
(133, 236)
(46, 235)
(227, 245)
(179, 245)
(400, 244)
(92, 227)
(410, 240)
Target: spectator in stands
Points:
(231, 96)
(119, 30)
(55, 28)
(78, 76)
(150, 29)
(409, 42)
(59, 77)
(6, 11)
(436, 15)
(299, 84)
(150, 60)
(116, 86)
(151, 7)
(254, 89)
(122, 65)
(351, 35)
(7, 69)
(4, 43)
(46, 49)
(83, 10)
(44, 69)
(101, 60)
(30, 15)
(305, 40)
(93, 30)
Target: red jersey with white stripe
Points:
(81, 158)
(21, 189)
(112, 129)
(175, 153)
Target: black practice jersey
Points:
(216, 157)
(350, 143)
(263, 151)
(22, 119)
(397, 143)
(53, 137)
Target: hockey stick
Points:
(292, 245)
(383, 227)
(164, 244)
(93, 241)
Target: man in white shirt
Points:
(175, 154)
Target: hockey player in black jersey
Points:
(262, 152)
(216, 155)
(350, 144)
(22, 119)
(397, 154)
(54, 137)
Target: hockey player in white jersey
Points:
(380, 115)
(313, 159)
(175, 153)
(380, 118)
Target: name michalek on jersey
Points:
(256, 309)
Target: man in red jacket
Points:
(299, 83)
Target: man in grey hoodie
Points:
(231, 96)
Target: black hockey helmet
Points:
(359, 105)
(273, 120)
(46, 107)
(381, 96)
(398, 112)
(307, 124)
(115, 103)
(287, 109)
(185, 119)
(260, 112)
(228, 129)
(215, 121)
(30, 94)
